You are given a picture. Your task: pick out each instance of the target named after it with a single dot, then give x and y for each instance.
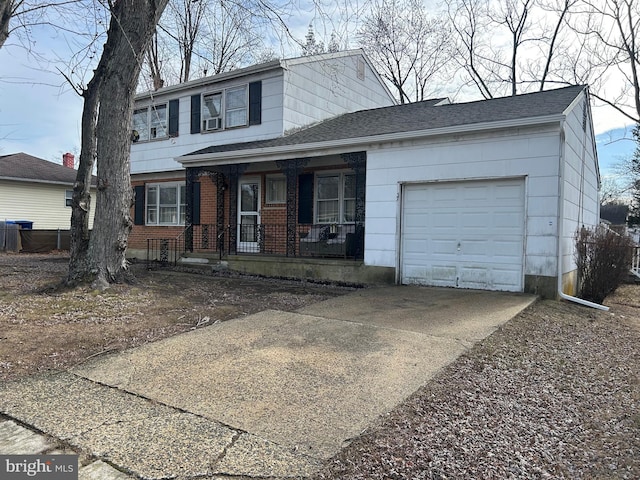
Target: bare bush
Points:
(603, 258)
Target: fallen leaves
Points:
(555, 393)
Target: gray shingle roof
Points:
(21, 166)
(418, 116)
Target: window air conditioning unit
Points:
(213, 123)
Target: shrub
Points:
(603, 258)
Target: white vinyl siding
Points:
(151, 157)
(42, 204)
(322, 89)
(580, 179)
(530, 153)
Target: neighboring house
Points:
(483, 195)
(37, 191)
(615, 215)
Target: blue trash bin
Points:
(24, 224)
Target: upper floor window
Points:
(229, 108)
(150, 123)
(166, 204)
(336, 198)
(68, 198)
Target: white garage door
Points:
(464, 234)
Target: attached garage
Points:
(467, 234)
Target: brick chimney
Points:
(68, 160)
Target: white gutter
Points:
(561, 294)
(306, 149)
(33, 180)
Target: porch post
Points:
(291, 169)
(191, 175)
(220, 188)
(232, 173)
(357, 161)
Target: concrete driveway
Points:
(275, 393)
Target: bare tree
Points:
(105, 137)
(154, 62)
(469, 21)
(512, 46)
(209, 37)
(7, 11)
(514, 15)
(18, 16)
(562, 9)
(406, 46)
(232, 38)
(610, 31)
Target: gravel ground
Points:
(555, 393)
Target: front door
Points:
(249, 215)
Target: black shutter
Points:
(195, 113)
(138, 210)
(174, 110)
(255, 103)
(195, 208)
(305, 198)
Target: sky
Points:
(40, 113)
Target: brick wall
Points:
(271, 214)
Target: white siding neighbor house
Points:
(37, 191)
(332, 180)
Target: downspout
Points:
(561, 294)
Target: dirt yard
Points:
(555, 393)
(45, 328)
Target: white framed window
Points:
(166, 204)
(212, 111)
(150, 123)
(68, 198)
(236, 105)
(276, 189)
(225, 109)
(335, 198)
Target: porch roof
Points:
(381, 124)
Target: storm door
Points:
(249, 215)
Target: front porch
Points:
(343, 241)
(332, 253)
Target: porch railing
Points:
(304, 240)
(635, 261)
(163, 251)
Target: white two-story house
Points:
(307, 168)
(256, 103)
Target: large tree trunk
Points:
(6, 12)
(130, 30)
(81, 205)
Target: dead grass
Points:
(555, 393)
(45, 328)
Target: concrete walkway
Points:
(270, 395)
